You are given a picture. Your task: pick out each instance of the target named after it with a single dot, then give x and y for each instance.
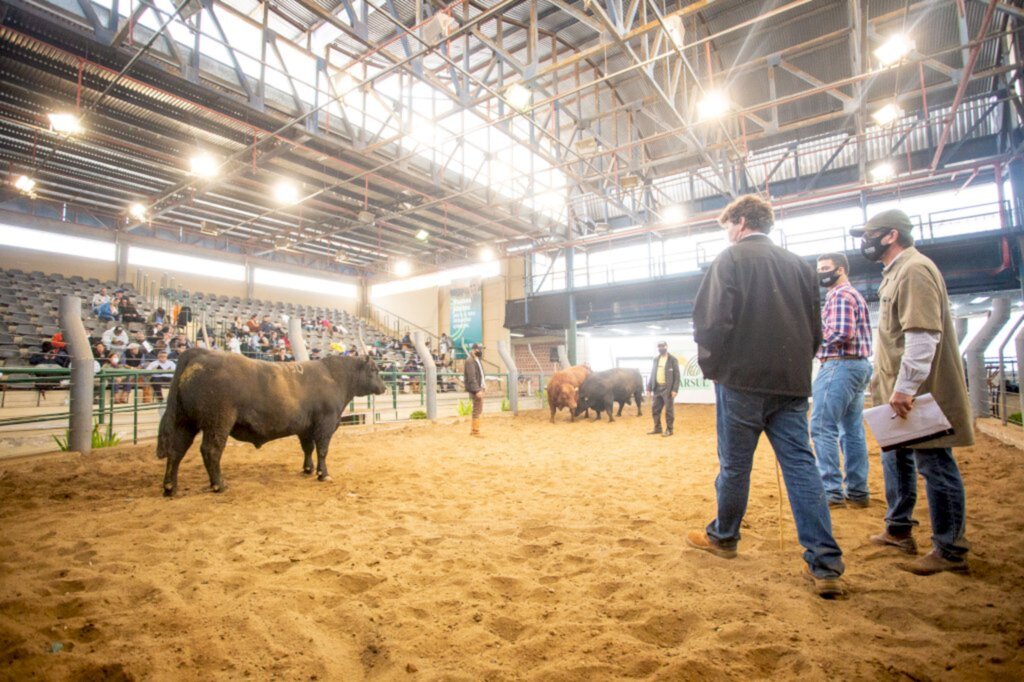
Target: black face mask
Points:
(478, 353)
(828, 278)
(871, 247)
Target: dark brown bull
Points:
(224, 394)
(564, 388)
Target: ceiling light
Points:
(518, 97)
(66, 123)
(137, 211)
(339, 256)
(282, 241)
(422, 235)
(979, 299)
(894, 49)
(486, 254)
(654, 327)
(286, 192)
(403, 268)
(203, 165)
(713, 105)
(365, 217)
(887, 114)
(883, 171)
(25, 184)
(673, 214)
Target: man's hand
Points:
(480, 393)
(673, 395)
(901, 404)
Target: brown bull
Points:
(563, 389)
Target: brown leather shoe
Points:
(907, 545)
(859, 504)
(826, 588)
(698, 539)
(933, 562)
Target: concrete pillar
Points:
(81, 374)
(563, 358)
(960, 324)
(295, 337)
(513, 375)
(977, 380)
(250, 280)
(1018, 343)
(121, 256)
(429, 370)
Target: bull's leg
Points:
(639, 397)
(181, 438)
(212, 448)
(622, 404)
(610, 406)
(323, 436)
(307, 453)
(552, 405)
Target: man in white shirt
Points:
(116, 339)
(234, 345)
(160, 380)
(99, 299)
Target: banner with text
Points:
(467, 318)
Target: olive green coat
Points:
(913, 296)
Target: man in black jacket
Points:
(757, 324)
(663, 386)
(473, 377)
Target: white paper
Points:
(925, 421)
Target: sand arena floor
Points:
(549, 552)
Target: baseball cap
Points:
(477, 346)
(893, 219)
(662, 344)
(118, 328)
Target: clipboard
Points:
(925, 422)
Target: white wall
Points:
(638, 352)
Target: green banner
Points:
(467, 318)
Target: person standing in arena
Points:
(918, 353)
(473, 377)
(757, 324)
(663, 386)
(836, 414)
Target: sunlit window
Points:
(436, 279)
(49, 242)
(312, 285)
(190, 264)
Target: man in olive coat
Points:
(473, 378)
(917, 353)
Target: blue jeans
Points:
(740, 418)
(945, 491)
(836, 421)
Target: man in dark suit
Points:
(663, 386)
(473, 377)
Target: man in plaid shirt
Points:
(838, 391)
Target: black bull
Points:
(225, 394)
(601, 390)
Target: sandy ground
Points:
(542, 551)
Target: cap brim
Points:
(858, 231)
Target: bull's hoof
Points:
(308, 471)
(324, 478)
(219, 487)
(169, 492)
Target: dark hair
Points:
(838, 259)
(756, 211)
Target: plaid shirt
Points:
(845, 324)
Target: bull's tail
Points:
(165, 436)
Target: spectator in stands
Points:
(444, 347)
(281, 354)
(407, 340)
(265, 346)
(139, 338)
(58, 341)
(107, 312)
(234, 345)
(116, 339)
(158, 319)
(135, 356)
(129, 313)
(119, 386)
(48, 358)
(252, 324)
(314, 354)
(99, 299)
(162, 362)
(326, 324)
(238, 327)
(99, 352)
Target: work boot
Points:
(860, 503)
(907, 545)
(698, 539)
(475, 430)
(655, 432)
(667, 434)
(826, 588)
(933, 562)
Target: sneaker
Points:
(907, 545)
(698, 539)
(862, 503)
(933, 562)
(826, 588)
(667, 434)
(655, 432)
(837, 504)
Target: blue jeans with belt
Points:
(836, 423)
(740, 418)
(944, 489)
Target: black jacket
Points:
(471, 375)
(671, 374)
(757, 319)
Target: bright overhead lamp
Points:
(422, 236)
(486, 254)
(25, 184)
(673, 214)
(883, 171)
(403, 268)
(203, 165)
(286, 193)
(713, 105)
(137, 211)
(518, 97)
(65, 123)
(895, 48)
(887, 114)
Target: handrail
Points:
(375, 313)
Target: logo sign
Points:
(466, 319)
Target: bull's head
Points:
(582, 403)
(369, 376)
(569, 396)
